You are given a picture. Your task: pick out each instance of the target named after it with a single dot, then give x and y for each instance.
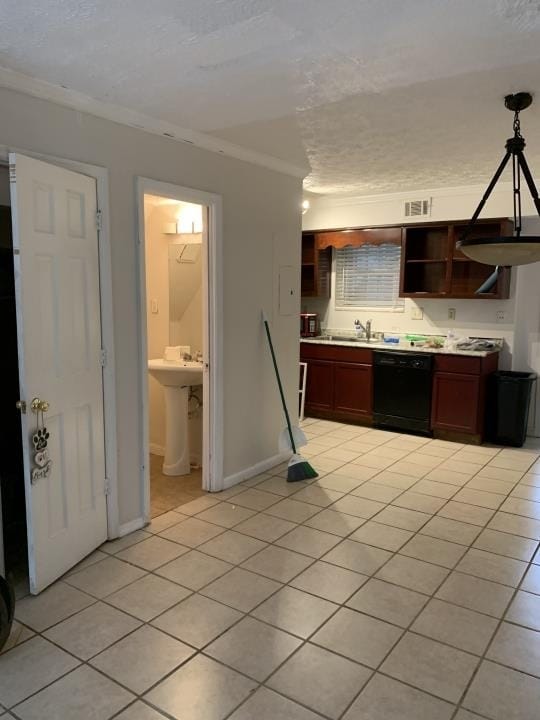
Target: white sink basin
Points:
(176, 377)
(176, 373)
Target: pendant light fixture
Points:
(514, 249)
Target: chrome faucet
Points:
(366, 329)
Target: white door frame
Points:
(212, 333)
(101, 175)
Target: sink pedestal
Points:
(176, 377)
(176, 461)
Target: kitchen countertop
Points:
(401, 347)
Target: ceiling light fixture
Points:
(515, 249)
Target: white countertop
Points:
(401, 347)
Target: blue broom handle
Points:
(289, 428)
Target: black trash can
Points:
(509, 397)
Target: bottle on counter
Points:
(450, 342)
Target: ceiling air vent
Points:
(418, 208)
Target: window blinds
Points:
(368, 276)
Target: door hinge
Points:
(103, 357)
(12, 173)
(99, 220)
(107, 486)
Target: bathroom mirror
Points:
(185, 292)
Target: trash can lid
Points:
(514, 376)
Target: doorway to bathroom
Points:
(179, 345)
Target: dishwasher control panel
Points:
(403, 360)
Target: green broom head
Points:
(299, 469)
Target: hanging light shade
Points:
(514, 249)
(505, 251)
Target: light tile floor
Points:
(402, 584)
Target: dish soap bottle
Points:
(450, 342)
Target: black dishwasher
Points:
(402, 390)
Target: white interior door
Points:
(207, 479)
(55, 241)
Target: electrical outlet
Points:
(501, 316)
(417, 313)
(451, 313)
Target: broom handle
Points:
(289, 428)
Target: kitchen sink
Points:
(341, 338)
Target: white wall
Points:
(261, 225)
(188, 329)
(521, 328)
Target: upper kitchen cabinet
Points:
(317, 253)
(433, 267)
(360, 236)
(316, 267)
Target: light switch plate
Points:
(417, 313)
(451, 313)
(154, 307)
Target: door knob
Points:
(38, 405)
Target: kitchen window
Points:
(367, 276)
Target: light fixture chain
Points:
(505, 250)
(517, 125)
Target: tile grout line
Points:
(287, 584)
(483, 657)
(343, 605)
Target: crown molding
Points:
(455, 191)
(124, 116)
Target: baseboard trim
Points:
(131, 526)
(256, 469)
(157, 449)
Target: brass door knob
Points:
(38, 405)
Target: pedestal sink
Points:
(176, 377)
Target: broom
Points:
(291, 437)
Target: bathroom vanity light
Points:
(188, 222)
(515, 249)
(182, 236)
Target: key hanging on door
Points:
(40, 438)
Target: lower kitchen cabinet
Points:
(319, 386)
(339, 382)
(459, 396)
(353, 392)
(455, 402)
(340, 387)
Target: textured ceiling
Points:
(375, 95)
